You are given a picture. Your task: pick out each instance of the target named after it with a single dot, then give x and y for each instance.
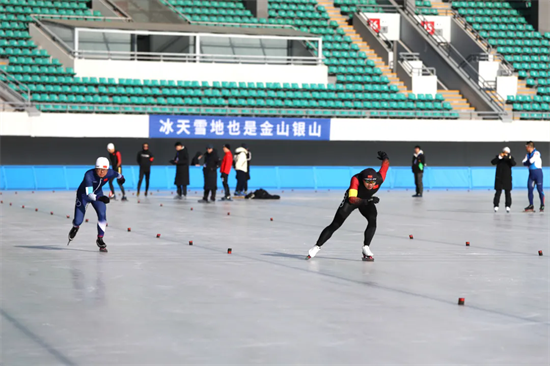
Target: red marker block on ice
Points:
(467, 243)
(411, 237)
(460, 301)
(228, 250)
(86, 220)
(158, 235)
(540, 253)
(129, 229)
(36, 210)
(190, 242)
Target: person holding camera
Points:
(503, 178)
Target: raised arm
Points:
(385, 164)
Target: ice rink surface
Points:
(161, 301)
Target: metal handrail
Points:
(404, 57)
(256, 111)
(52, 35)
(78, 17)
(139, 56)
(449, 49)
(119, 9)
(386, 8)
(22, 87)
(461, 20)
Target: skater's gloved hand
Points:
(121, 180)
(382, 155)
(104, 199)
(374, 199)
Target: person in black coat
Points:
(181, 161)
(503, 177)
(418, 163)
(144, 159)
(210, 171)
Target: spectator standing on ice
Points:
(503, 177)
(533, 161)
(225, 169)
(116, 163)
(241, 168)
(210, 172)
(418, 163)
(248, 159)
(181, 161)
(90, 192)
(144, 159)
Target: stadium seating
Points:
(505, 27)
(360, 85)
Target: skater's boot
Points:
(146, 193)
(529, 208)
(541, 209)
(496, 208)
(507, 209)
(72, 233)
(368, 256)
(124, 198)
(137, 195)
(101, 244)
(313, 252)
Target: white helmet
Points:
(506, 150)
(102, 163)
(111, 146)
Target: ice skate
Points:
(529, 208)
(146, 194)
(137, 194)
(124, 198)
(101, 244)
(507, 209)
(495, 208)
(203, 201)
(541, 209)
(72, 233)
(368, 256)
(313, 252)
(177, 197)
(112, 196)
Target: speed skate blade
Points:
(308, 257)
(368, 259)
(103, 250)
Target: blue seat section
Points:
(28, 177)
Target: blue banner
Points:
(253, 128)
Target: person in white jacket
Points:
(241, 168)
(533, 161)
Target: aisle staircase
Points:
(456, 99)
(336, 16)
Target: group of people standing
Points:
(503, 176)
(209, 160)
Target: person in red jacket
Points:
(360, 195)
(225, 169)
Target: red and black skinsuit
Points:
(116, 162)
(358, 196)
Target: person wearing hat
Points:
(225, 170)
(503, 178)
(90, 192)
(360, 195)
(116, 163)
(210, 171)
(181, 161)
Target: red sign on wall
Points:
(429, 26)
(375, 25)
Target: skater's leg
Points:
(416, 184)
(370, 213)
(141, 174)
(112, 186)
(206, 193)
(420, 183)
(79, 212)
(342, 214)
(508, 195)
(496, 200)
(227, 193)
(213, 195)
(147, 176)
(101, 211)
(121, 188)
(184, 190)
(538, 182)
(530, 188)
(179, 188)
